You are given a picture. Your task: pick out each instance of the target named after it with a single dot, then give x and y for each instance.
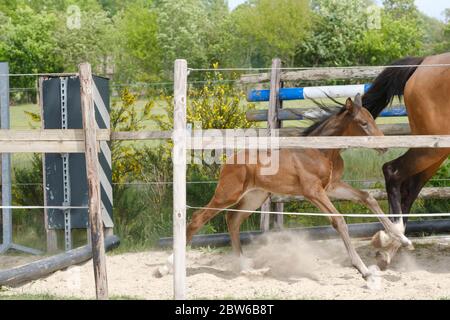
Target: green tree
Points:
(182, 32)
(218, 12)
(434, 34)
(396, 38)
(444, 44)
(8, 6)
(91, 41)
(399, 9)
(55, 6)
(38, 38)
(138, 53)
(28, 44)
(262, 29)
(112, 7)
(401, 34)
(338, 26)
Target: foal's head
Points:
(361, 122)
(351, 119)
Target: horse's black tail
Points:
(389, 83)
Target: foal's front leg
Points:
(319, 198)
(342, 190)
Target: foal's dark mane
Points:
(329, 112)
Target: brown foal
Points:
(311, 173)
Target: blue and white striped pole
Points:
(322, 92)
(342, 91)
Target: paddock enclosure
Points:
(422, 268)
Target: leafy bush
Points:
(28, 190)
(143, 213)
(216, 104)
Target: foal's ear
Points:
(349, 105)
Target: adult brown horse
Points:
(312, 173)
(426, 92)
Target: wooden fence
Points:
(86, 140)
(214, 142)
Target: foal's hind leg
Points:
(229, 190)
(202, 216)
(251, 201)
(319, 198)
(199, 218)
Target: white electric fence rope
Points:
(67, 74)
(325, 68)
(316, 214)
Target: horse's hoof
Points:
(383, 260)
(375, 241)
(373, 282)
(373, 279)
(381, 240)
(165, 269)
(161, 272)
(406, 243)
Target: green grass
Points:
(19, 120)
(32, 297)
(53, 297)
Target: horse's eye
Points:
(364, 124)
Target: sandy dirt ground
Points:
(298, 269)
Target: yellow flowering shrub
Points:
(217, 104)
(126, 117)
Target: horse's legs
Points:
(396, 172)
(251, 201)
(410, 189)
(219, 202)
(342, 190)
(230, 189)
(408, 165)
(199, 218)
(319, 198)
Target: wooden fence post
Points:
(91, 154)
(179, 179)
(273, 123)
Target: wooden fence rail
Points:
(316, 74)
(370, 142)
(50, 135)
(58, 141)
(388, 129)
(46, 141)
